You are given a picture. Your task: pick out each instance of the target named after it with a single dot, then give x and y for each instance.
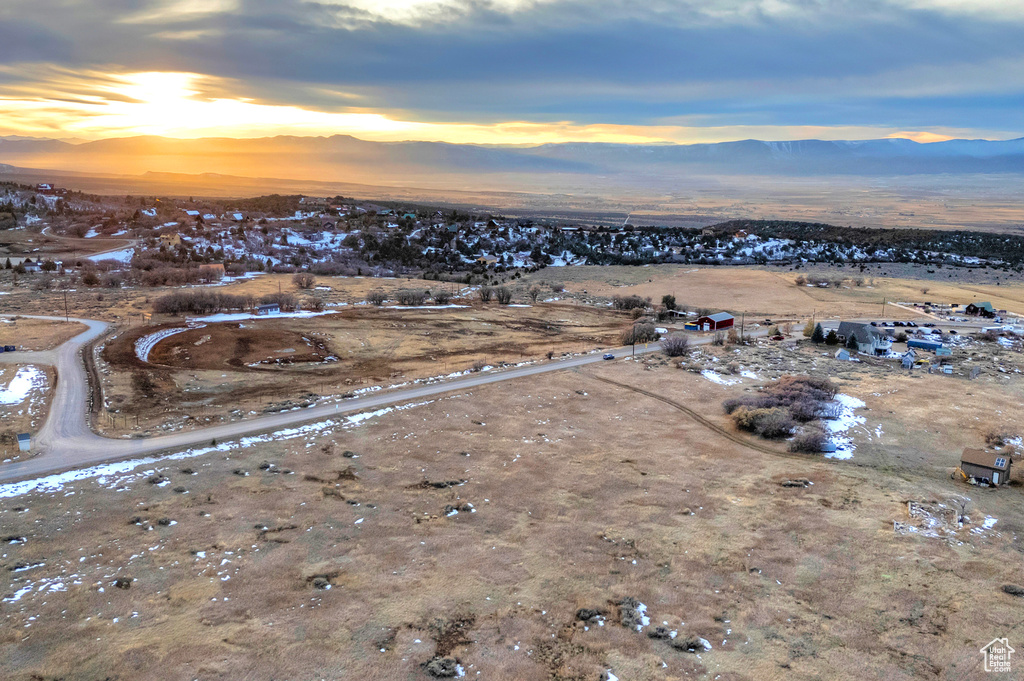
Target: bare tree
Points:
(485, 293)
(411, 297)
(442, 297)
(376, 297)
(534, 293)
(503, 294)
(304, 280)
(676, 345)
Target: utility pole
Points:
(743, 320)
(883, 307)
(66, 316)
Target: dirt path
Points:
(744, 442)
(66, 442)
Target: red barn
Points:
(715, 322)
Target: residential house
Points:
(908, 359)
(272, 308)
(981, 310)
(170, 240)
(870, 341)
(990, 467)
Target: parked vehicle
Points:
(609, 355)
(10, 348)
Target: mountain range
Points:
(342, 158)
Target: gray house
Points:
(870, 340)
(908, 359)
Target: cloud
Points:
(539, 65)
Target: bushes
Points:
(411, 297)
(772, 423)
(629, 302)
(676, 346)
(486, 293)
(377, 297)
(442, 297)
(199, 302)
(287, 301)
(503, 294)
(304, 280)
(778, 409)
(639, 333)
(811, 441)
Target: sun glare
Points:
(183, 105)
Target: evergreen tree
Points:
(819, 335)
(832, 338)
(851, 343)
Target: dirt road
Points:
(65, 440)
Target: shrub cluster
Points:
(803, 397)
(629, 302)
(639, 333)
(772, 422)
(676, 345)
(199, 302)
(411, 297)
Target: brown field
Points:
(583, 494)
(37, 334)
(771, 291)
(226, 370)
(25, 416)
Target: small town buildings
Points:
(943, 352)
(30, 266)
(981, 310)
(170, 240)
(715, 322)
(870, 341)
(990, 467)
(908, 359)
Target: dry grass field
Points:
(773, 292)
(229, 369)
(25, 393)
(571, 493)
(37, 334)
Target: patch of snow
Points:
(718, 378)
(24, 382)
(245, 316)
(122, 256)
(145, 345)
(838, 426)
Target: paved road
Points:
(65, 440)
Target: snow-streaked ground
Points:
(119, 474)
(124, 255)
(838, 427)
(25, 380)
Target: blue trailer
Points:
(924, 344)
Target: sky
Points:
(514, 71)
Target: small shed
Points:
(24, 441)
(991, 467)
(715, 322)
(271, 308)
(842, 354)
(908, 359)
(943, 352)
